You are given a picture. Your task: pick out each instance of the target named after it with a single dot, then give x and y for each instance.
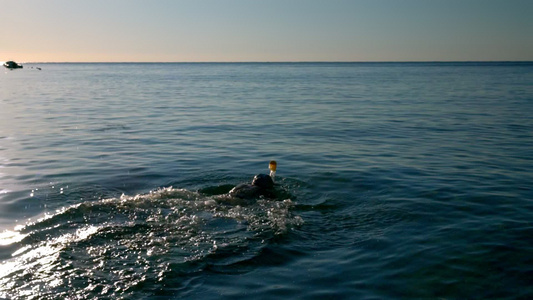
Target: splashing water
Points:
(118, 247)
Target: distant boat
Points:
(12, 65)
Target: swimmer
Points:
(262, 185)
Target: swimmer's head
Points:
(263, 181)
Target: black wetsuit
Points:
(262, 185)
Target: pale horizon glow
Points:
(266, 31)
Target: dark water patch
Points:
(113, 128)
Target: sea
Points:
(394, 180)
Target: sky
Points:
(265, 30)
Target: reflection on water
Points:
(112, 247)
(414, 180)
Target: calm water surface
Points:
(395, 181)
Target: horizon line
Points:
(274, 62)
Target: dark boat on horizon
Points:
(12, 65)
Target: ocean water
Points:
(394, 181)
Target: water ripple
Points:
(111, 247)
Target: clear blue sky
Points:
(267, 30)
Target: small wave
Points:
(130, 245)
(111, 127)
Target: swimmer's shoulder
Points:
(244, 191)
